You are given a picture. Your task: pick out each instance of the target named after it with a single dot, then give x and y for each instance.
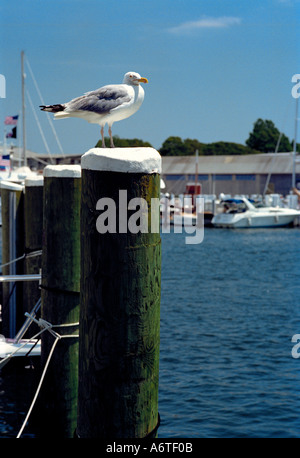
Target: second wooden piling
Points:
(60, 299)
(33, 235)
(12, 202)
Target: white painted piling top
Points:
(11, 186)
(62, 171)
(34, 181)
(126, 160)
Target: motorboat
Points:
(22, 347)
(18, 346)
(244, 213)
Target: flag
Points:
(12, 134)
(4, 161)
(11, 120)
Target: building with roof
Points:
(240, 174)
(38, 161)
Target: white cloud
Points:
(205, 23)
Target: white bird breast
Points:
(127, 109)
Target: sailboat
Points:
(19, 174)
(16, 345)
(187, 210)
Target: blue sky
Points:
(214, 67)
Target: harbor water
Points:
(229, 310)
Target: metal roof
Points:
(239, 164)
(184, 165)
(18, 153)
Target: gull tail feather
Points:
(52, 108)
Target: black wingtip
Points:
(52, 108)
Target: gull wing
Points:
(102, 100)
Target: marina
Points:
(149, 293)
(226, 368)
(211, 301)
(204, 352)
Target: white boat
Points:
(11, 347)
(18, 346)
(242, 213)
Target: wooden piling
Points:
(33, 231)
(60, 299)
(120, 295)
(12, 203)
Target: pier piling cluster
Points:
(100, 290)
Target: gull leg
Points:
(102, 136)
(111, 139)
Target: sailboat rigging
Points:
(22, 151)
(23, 109)
(294, 154)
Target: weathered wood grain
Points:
(120, 315)
(33, 231)
(60, 303)
(12, 294)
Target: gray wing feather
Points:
(101, 100)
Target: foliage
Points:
(175, 146)
(265, 136)
(263, 139)
(226, 148)
(124, 142)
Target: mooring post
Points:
(120, 294)
(12, 203)
(60, 299)
(33, 231)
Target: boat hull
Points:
(253, 220)
(21, 348)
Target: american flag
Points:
(11, 120)
(4, 161)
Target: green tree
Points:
(124, 142)
(264, 137)
(173, 146)
(192, 145)
(226, 148)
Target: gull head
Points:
(133, 79)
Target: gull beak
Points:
(142, 80)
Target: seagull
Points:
(107, 104)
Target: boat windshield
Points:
(234, 206)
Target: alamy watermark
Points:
(2, 87)
(136, 216)
(296, 348)
(296, 337)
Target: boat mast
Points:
(23, 108)
(196, 169)
(295, 147)
(196, 179)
